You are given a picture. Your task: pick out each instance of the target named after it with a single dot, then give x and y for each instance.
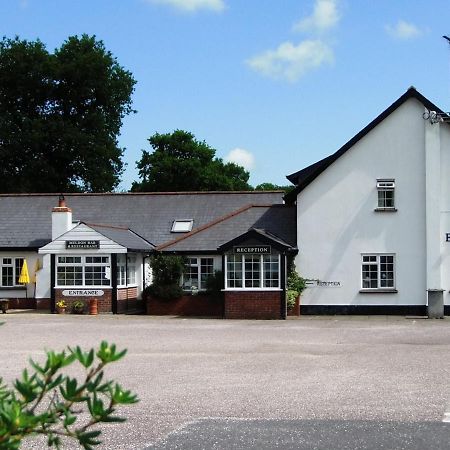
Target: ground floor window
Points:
(252, 271)
(83, 271)
(126, 270)
(10, 269)
(378, 271)
(197, 271)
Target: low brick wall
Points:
(187, 305)
(20, 303)
(253, 304)
(104, 302)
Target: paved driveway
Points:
(309, 374)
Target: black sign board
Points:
(259, 249)
(82, 244)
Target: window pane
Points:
(190, 276)
(69, 276)
(271, 275)
(206, 270)
(96, 276)
(18, 263)
(369, 276)
(7, 276)
(252, 266)
(234, 271)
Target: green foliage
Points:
(274, 187)
(78, 307)
(49, 402)
(181, 163)
(60, 116)
(214, 283)
(166, 271)
(295, 286)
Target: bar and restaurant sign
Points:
(82, 244)
(259, 249)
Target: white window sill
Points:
(379, 291)
(250, 289)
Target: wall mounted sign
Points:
(447, 237)
(82, 293)
(320, 283)
(82, 244)
(260, 249)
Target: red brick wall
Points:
(187, 305)
(126, 293)
(253, 304)
(104, 301)
(21, 303)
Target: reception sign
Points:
(259, 249)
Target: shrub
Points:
(167, 271)
(48, 402)
(295, 286)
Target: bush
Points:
(167, 271)
(48, 402)
(295, 286)
(214, 283)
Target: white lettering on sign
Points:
(320, 283)
(261, 249)
(82, 292)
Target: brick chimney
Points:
(61, 218)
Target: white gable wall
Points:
(336, 221)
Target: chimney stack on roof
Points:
(61, 218)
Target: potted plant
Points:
(78, 307)
(61, 306)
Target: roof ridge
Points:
(99, 194)
(208, 225)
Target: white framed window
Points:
(378, 271)
(126, 270)
(182, 226)
(197, 271)
(386, 194)
(252, 271)
(83, 271)
(10, 268)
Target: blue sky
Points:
(273, 84)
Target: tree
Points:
(51, 403)
(181, 163)
(60, 116)
(274, 187)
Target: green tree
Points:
(181, 163)
(51, 403)
(60, 116)
(274, 187)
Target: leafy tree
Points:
(274, 187)
(181, 163)
(50, 403)
(60, 116)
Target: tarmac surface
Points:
(314, 383)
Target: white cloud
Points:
(241, 157)
(290, 62)
(404, 30)
(192, 5)
(325, 16)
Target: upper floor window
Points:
(10, 271)
(386, 194)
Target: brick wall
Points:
(104, 301)
(187, 305)
(127, 293)
(21, 303)
(252, 304)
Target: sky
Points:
(273, 85)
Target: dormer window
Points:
(182, 226)
(386, 195)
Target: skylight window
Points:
(182, 226)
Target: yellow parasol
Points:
(37, 267)
(24, 277)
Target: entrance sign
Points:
(82, 293)
(260, 249)
(82, 244)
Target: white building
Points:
(373, 219)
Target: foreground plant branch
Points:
(48, 402)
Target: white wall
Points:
(336, 221)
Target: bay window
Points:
(83, 271)
(252, 271)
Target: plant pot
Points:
(60, 310)
(4, 305)
(93, 306)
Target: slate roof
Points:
(25, 219)
(278, 221)
(304, 177)
(123, 236)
